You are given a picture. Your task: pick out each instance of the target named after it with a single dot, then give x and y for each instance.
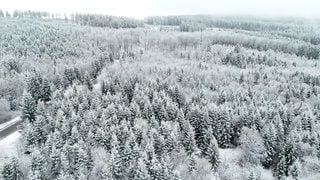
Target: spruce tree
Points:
(270, 143)
(34, 86)
(29, 107)
(11, 170)
(212, 153)
(115, 166)
(39, 132)
(191, 163)
(55, 162)
(141, 171)
(294, 170)
(35, 175)
(45, 90)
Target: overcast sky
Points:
(141, 8)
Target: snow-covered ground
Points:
(8, 146)
(9, 123)
(230, 162)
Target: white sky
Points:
(141, 8)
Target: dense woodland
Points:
(106, 97)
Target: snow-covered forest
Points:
(163, 98)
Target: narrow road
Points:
(9, 127)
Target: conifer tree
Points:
(35, 175)
(39, 132)
(294, 170)
(11, 170)
(34, 86)
(191, 163)
(115, 166)
(270, 155)
(55, 162)
(29, 107)
(212, 152)
(75, 135)
(45, 90)
(141, 172)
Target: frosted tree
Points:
(46, 90)
(191, 163)
(115, 163)
(38, 164)
(65, 176)
(35, 175)
(39, 131)
(81, 158)
(126, 154)
(34, 86)
(221, 126)
(87, 81)
(212, 151)
(55, 161)
(155, 168)
(271, 144)
(187, 137)
(75, 135)
(252, 145)
(141, 172)
(295, 170)
(29, 107)
(199, 120)
(11, 170)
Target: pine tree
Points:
(294, 170)
(57, 139)
(251, 176)
(34, 86)
(198, 119)
(126, 155)
(35, 175)
(55, 162)
(187, 134)
(213, 153)
(141, 172)
(115, 166)
(159, 142)
(75, 135)
(281, 169)
(39, 133)
(29, 107)
(81, 158)
(191, 163)
(65, 164)
(45, 90)
(11, 170)
(38, 162)
(270, 143)
(65, 176)
(221, 127)
(87, 81)
(222, 98)
(288, 156)
(155, 168)
(105, 174)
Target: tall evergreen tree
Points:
(141, 172)
(29, 107)
(11, 170)
(46, 90)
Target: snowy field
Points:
(8, 146)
